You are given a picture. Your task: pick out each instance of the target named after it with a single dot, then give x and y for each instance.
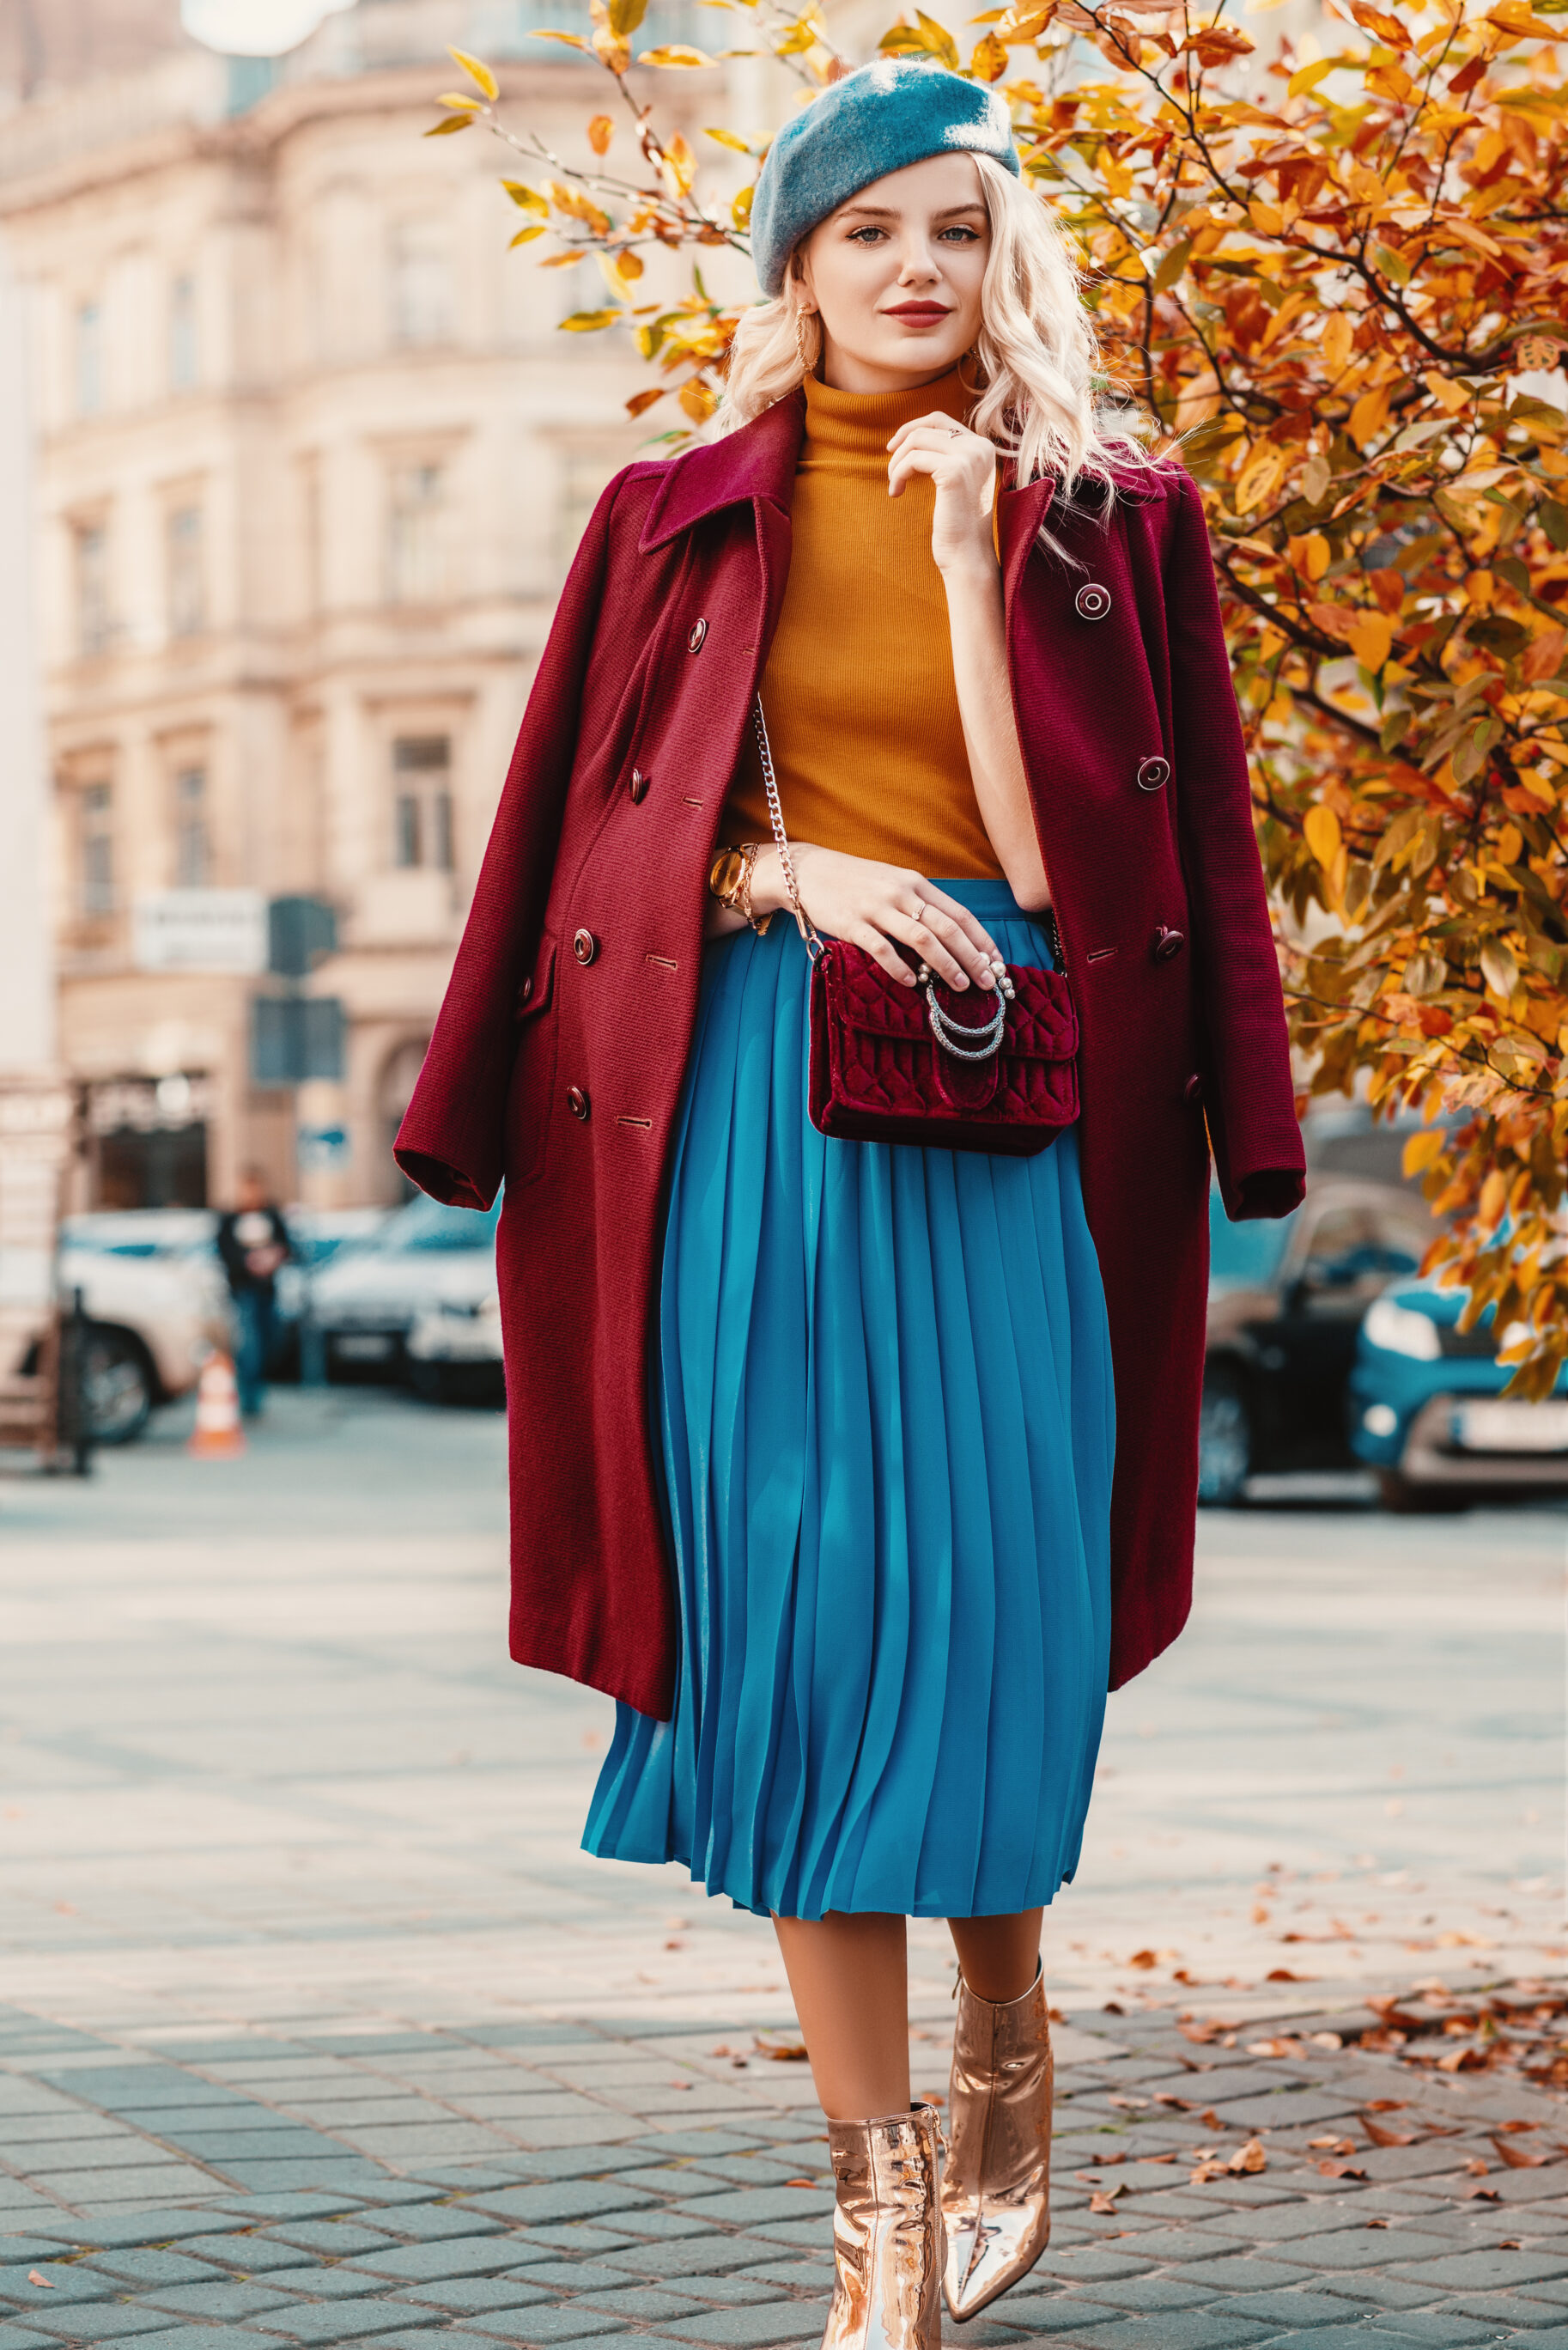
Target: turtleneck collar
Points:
(852, 429)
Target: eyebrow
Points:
(887, 211)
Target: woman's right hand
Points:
(871, 905)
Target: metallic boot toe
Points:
(996, 2185)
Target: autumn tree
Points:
(1341, 282)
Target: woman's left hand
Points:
(962, 464)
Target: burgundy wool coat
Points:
(557, 1060)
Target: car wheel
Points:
(1405, 1500)
(1224, 1440)
(116, 1385)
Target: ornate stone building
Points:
(311, 460)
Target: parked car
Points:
(318, 1237)
(421, 1257)
(1427, 1409)
(453, 1350)
(1285, 1303)
(156, 1302)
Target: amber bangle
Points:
(730, 880)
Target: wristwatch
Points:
(730, 880)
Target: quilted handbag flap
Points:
(1042, 1022)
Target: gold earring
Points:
(806, 361)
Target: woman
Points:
(812, 1440)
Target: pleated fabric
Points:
(882, 1387)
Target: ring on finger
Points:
(919, 912)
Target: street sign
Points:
(211, 931)
(295, 1038)
(301, 933)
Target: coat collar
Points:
(756, 461)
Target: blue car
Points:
(1427, 1409)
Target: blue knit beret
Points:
(880, 120)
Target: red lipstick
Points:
(919, 313)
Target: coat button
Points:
(579, 1101)
(1166, 943)
(525, 992)
(585, 946)
(1092, 601)
(695, 635)
(637, 786)
(1153, 775)
(1193, 1089)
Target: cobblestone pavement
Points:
(316, 2028)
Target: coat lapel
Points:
(753, 466)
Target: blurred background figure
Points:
(252, 1241)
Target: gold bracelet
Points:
(749, 854)
(730, 880)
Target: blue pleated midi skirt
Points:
(882, 1387)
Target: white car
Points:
(157, 1302)
(453, 1350)
(424, 1259)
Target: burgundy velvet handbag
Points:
(955, 1069)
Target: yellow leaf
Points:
(696, 401)
(628, 265)
(1493, 1197)
(460, 104)
(1322, 829)
(1448, 394)
(1509, 841)
(674, 53)
(587, 322)
(527, 236)
(625, 17)
(679, 165)
(741, 210)
(728, 139)
(938, 40)
(987, 58)
(1310, 76)
(526, 199)
(1338, 338)
(601, 131)
(451, 122)
(1498, 969)
(1371, 638)
(573, 40)
(480, 71)
(1261, 471)
(1423, 1150)
(1267, 219)
(1317, 551)
(1369, 415)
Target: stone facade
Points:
(312, 460)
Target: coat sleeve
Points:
(450, 1140)
(1249, 1092)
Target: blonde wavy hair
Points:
(1036, 354)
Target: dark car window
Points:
(1355, 1246)
(427, 1224)
(1248, 1255)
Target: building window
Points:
(416, 567)
(89, 360)
(96, 842)
(187, 584)
(420, 283)
(421, 805)
(192, 860)
(182, 335)
(93, 624)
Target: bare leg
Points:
(849, 1979)
(998, 1957)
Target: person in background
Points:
(252, 1241)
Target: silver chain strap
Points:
(803, 920)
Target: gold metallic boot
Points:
(887, 2234)
(996, 2187)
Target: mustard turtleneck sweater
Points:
(858, 693)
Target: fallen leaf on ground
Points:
(1249, 2158)
(1518, 2157)
(1381, 2137)
(1210, 2119)
(1476, 2168)
(1103, 2200)
(1386, 2104)
(781, 2052)
(678, 2085)
(1168, 2097)
(1482, 2195)
(1507, 2128)
(1334, 2145)
(802, 2182)
(1143, 1958)
(1284, 1975)
(1138, 2105)
(1377, 2223)
(36, 2276)
(1342, 2170)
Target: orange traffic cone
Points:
(217, 1432)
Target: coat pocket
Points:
(532, 1090)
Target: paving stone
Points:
(566, 2199)
(111, 2232)
(1210, 2329)
(1244, 2272)
(1368, 2291)
(1443, 2330)
(748, 2207)
(146, 2266)
(1482, 2271)
(19, 2250)
(1344, 2337)
(1138, 2293)
(1556, 2338)
(445, 2257)
(565, 2323)
(331, 2323)
(1509, 2309)
(1368, 2248)
(1289, 2309)
(1287, 2222)
(340, 2283)
(1550, 2289)
(468, 2294)
(253, 2255)
(64, 2283)
(200, 2337)
(218, 2297)
(1188, 2244)
(1089, 2265)
(750, 2329)
(572, 2276)
(642, 2303)
(332, 2236)
(25, 2337)
(690, 2256)
(653, 2223)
